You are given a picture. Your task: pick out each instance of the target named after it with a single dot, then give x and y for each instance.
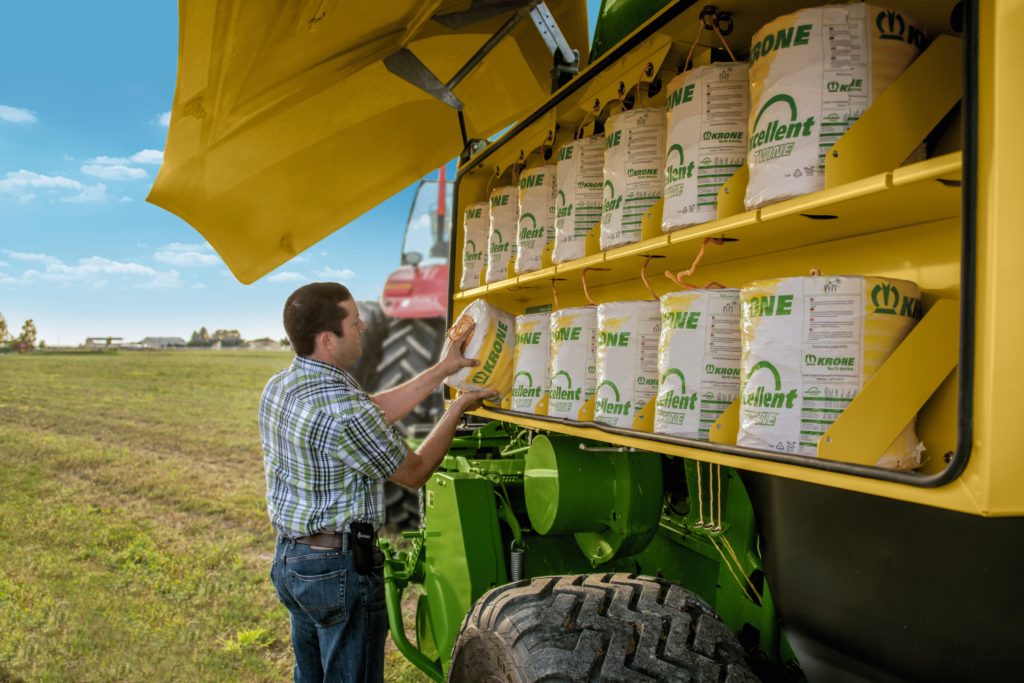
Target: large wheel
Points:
(411, 346)
(600, 627)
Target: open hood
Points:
(290, 119)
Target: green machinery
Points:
(559, 549)
(507, 504)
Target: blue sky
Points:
(84, 96)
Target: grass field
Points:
(135, 539)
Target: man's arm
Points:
(400, 401)
(418, 465)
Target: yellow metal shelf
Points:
(918, 193)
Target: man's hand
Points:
(471, 400)
(454, 360)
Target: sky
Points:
(85, 99)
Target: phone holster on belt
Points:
(365, 555)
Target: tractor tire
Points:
(364, 370)
(598, 627)
(396, 350)
(409, 347)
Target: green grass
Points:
(135, 539)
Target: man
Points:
(328, 447)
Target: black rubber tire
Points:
(598, 627)
(364, 370)
(412, 346)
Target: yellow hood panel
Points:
(286, 124)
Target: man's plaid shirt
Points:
(327, 449)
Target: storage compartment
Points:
(878, 215)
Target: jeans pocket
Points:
(321, 596)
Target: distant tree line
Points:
(24, 342)
(227, 338)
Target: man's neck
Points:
(324, 357)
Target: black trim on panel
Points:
(965, 389)
(865, 584)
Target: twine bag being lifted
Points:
(492, 343)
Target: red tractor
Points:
(405, 331)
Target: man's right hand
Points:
(471, 400)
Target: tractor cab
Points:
(419, 287)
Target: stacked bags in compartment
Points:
(532, 360)
(501, 242)
(812, 74)
(536, 217)
(634, 145)
(698, 360)
(706, 140)
(627, 361)
(578, 196)
(573, 371)
(809, 346)
(475, 222)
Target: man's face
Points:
(347, 348)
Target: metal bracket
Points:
(407, 66)
(567, 60)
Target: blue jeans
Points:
(338, 617)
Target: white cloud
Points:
(164, 119)
(114, 172)
(29, 256)
(92, 271)
(125, 200)
(335, 274)
(199, 285)
(287, 276)
(149, 156)
(188, 255)
(17, 115)
(8, 280)
(4, 264)
(20, 184)
(89, 193)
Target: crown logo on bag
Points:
(886, 298)
(890, 25)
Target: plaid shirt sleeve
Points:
(367, 442)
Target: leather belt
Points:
(326, 539)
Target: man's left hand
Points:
(454, 360)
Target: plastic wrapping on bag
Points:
(536, 216)
(809, 346)
(501, 240)
(627, 360)
(633, 183)
(578, 203)
(532, 358)
(573, 372)
(475, 224)
(705, 140)
(812, 75)
(492, 343)
(698, 360)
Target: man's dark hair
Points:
(312, 309)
